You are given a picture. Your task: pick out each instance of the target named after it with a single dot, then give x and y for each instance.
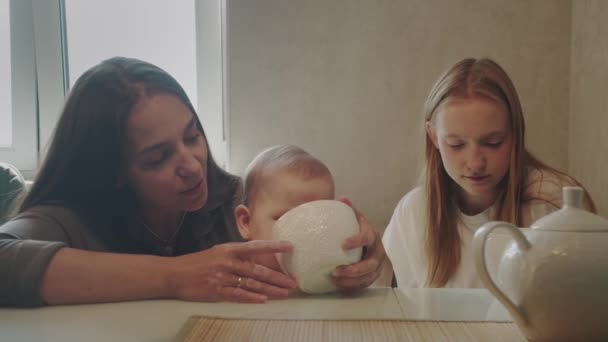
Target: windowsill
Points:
(28, 184)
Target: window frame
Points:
(39, 45)
(23, 151)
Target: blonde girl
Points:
(477, 169)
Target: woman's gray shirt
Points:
(31, 239)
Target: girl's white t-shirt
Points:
(404, 237)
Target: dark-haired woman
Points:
(129, 204)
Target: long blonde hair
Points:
(473, 78)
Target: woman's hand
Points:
(363, 273)
(226, 273)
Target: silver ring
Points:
(239, 281)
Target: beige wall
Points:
(347, 79)
(588, 150)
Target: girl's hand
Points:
(363, 273)
(226, 272)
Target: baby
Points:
(277, 180)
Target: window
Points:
(156, 31)
(51, 43)
(18, 102)
(183, 37)
(6, 116)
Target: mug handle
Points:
(479, 249)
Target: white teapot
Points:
(554, 282)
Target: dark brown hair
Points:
(85, 156)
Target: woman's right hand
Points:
(226, 272)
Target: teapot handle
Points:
(479, 246)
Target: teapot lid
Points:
(572, 216)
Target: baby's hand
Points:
(363, 273)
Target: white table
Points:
(160, 320)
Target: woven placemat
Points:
(201, 328)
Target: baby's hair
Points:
(290, 158)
